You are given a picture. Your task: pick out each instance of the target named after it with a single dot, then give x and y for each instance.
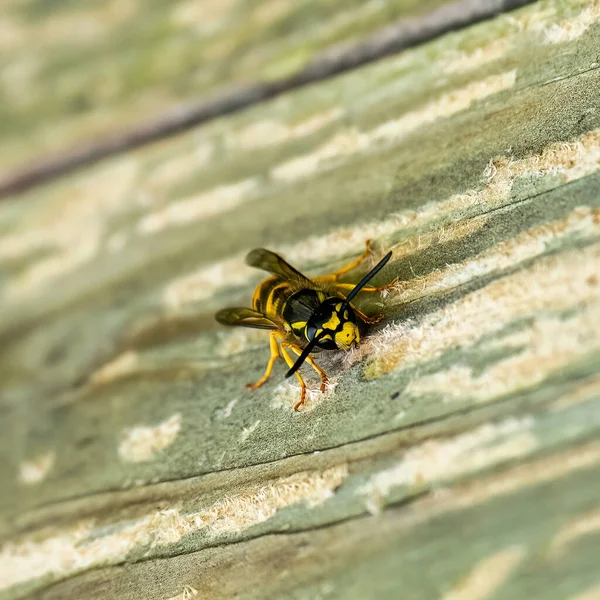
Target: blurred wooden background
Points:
(146, 147)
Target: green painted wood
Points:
(98, 67)
(455, 458)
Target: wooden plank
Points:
(97, 68)
(458, 443)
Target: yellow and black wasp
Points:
(304, 314)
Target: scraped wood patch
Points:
(552, 284)
(546, 346)
(187, 593)
(142, 443)
(69, 232)
(585, 392)
(173, 171)
(238, 340)
(122, 365)
(71, 29)
(585, 524)
(540, 20)
(205, 282)
(36, 470)
(353, 141)
(488, 575)
(204, 205)
(83, 546)
(455, 61)
(558, 164)
(583, 222)
(270, 132)
(487, 487)
(440, 460)
(248, 431)
(572, 28)
(241, 511)
(592, 594)
(534, 472)
(207, 17)
(287, 393)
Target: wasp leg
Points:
(290, 363)
(369, 320)
(274, 356)
(313, 364)
(355, 263)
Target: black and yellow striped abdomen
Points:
(271, 295)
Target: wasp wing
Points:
(273, 263)
(244, 317)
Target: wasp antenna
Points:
(305, 353)
(361, 284)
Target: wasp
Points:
(304, 315)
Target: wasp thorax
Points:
(335, 326)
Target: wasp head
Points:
(334, 326)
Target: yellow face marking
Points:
(333, 322)
(338, 307)
(347, 337)
(346, 315)
(325, 338)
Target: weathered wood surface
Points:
(456, 456)
(74, 71)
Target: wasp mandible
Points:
(304, 314)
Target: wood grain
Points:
(455, 455)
